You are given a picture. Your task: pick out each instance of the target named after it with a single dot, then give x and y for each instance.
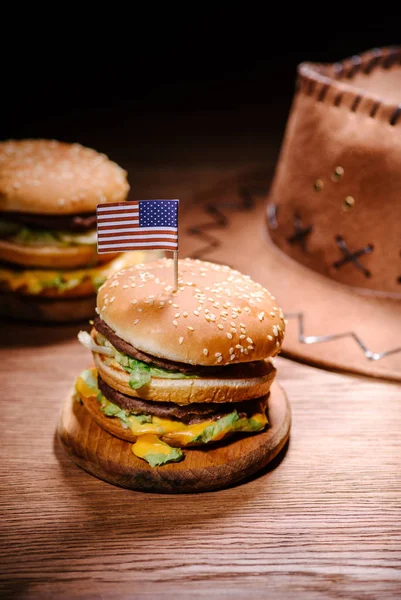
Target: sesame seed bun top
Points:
(50, 177)
(217, 316)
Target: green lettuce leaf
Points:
(140, 372)
(89, 379)
(33, 236)
(156, 459)
(7, 228)
(22, 234)
(218, 426)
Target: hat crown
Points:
(335, 202)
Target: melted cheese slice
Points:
(150, 444)
(173, 430)
(35, 280)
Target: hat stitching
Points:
(301, 233)
(319, 339)
(311, 74)
(352, 256)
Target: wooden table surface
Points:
(323, 522)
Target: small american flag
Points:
(140, 225)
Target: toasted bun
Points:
(50, 177)
(187, 391)
(46, 310)
(218, 316)
(52, 257)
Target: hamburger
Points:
(180, 369)
(49, 266)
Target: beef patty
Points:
(251, 369)
(77, 223)
(193, 413)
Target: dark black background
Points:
(121, 92)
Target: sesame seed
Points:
(191, 328)
(112, 299)
(275, 330)
(242, 336)
(185, 314)
(133, 285)
(175, 323)
(205, 351)
(139, 309)
(230, 336)
(134, 301)
(220, 359)
(231, 350)
(136, 321)
(245, 351)
(181, 339)
(270, 337)
(220, 326)
(234, 315)
(242, 325)
(170, 301)
(175, 306)
(285, 321)
(211, 299)
(272, 314)
(177, 315)
(232, 356)
(97, 310)
(217, 354)
(261, 316)
(125, 287)
(278, 344)
(196, 313)
(250, 347)
(239, 347)
(233, 329)
(249, 340)
(114, 284)
(161, 304)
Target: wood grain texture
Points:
(322, 521)
(112, 459)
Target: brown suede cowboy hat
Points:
(326, 238)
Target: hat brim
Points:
(329, 324)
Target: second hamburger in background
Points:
(49, 266)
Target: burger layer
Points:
(50, 256)
(135, 378)
(131, 424)
(60, 283)
(189, 414)
(78, 223)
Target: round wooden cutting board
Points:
(112, 459)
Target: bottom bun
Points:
(46, 310)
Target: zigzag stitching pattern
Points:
(221, 220)
(318, 339)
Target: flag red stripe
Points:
(104, 209)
